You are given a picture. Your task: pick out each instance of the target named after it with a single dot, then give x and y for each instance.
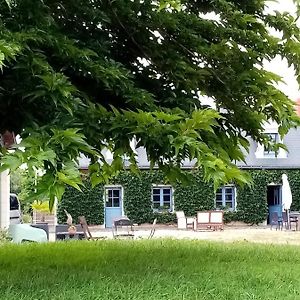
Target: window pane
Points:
(109, 193)
(274, 137)
(167, 198)
(167, 191)
(219, 198)
(116, 202)
(156, 198)
(228, 197)
(116, 193)
(109, 202)
(156, 191)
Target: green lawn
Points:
(154, 269)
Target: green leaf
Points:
(67, 180)
(96, 179)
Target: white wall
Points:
(4, 199)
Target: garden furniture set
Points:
(208, 220)
(285, 220)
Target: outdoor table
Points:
(123, 227)
(62, 233)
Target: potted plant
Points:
(40, 209)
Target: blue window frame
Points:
(225, 197)
(162, 198)
(113, 197)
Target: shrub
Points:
(4, 236)
(26, 218)
(231, 216)
(164, 217)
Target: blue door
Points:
(274, 200)
(113, 205)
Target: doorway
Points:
(113, 205)
(274, 200)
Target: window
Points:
(274, 137)
(113, 197)
(162, 198)
(225, 197)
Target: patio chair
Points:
(152, 229)
(184, 222)
(122, 228)
(87, 233)
(275, 220)
(285, 220)
(25, 233)
(294, 219)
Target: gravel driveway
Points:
(256, 234)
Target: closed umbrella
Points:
(286, 195)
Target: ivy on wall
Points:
(252, 201)
(88, 203)
(137, 199)
(198, 195)
(252, 204)
(137, 195)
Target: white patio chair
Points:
(24, 232)
(183, 222)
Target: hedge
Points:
(251, 200)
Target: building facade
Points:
(151, 196)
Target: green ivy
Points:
(88, 203)
(252, 201)
(138, 194)
(196, 196)
(199, 195)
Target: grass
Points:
(152, 269)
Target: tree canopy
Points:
(81, 76)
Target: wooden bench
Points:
(212, 219)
